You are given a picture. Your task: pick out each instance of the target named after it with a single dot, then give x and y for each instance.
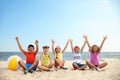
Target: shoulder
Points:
(41, 54)
(25, 52)
(61, 52)
(48, 54)
(34, 53)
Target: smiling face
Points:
(57, 49)
(30, 48)
(95, 48)
(76, 49)
(45, 50)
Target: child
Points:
(77, 64)
(31, 62)
(95, 55)
(46, 61)
(58, 55)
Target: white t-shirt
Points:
(77, 57)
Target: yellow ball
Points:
(13, 62)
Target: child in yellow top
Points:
(58, 55)
(46, 61)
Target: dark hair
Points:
(55, 49)
(95, 46)
(31, 46)
(44, 47)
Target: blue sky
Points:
(60, 20)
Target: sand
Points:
(111, 72)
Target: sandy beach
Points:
(111, 72)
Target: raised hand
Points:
(85, 36)
(105, 37)
(36, 42)
(53, 41)
(17, 38)
(70, 40)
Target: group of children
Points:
(58, 63)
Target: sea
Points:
(67, 55)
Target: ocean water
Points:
(67, 55)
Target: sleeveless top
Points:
(94, 58)
(46, 59)
(58, 56)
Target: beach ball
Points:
(13, 62)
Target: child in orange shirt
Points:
(31, 62)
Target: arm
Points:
(53, 51)
(37, 47)
(65, 46)
(71, 41)
(83, 46)
(19, 45)
(85, 37)
(42, 63)
(103, 42)
(50, 59)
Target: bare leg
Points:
(59, 63)
(62, 64)
(83, 67)
(50, 65)
(22, 64)
(43, 68)
(34, 64)
(56, 63)
(75, 65)
(103, 65)
(90, 65)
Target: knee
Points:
(74, 64)
(36, 61)
(56, 60)
(63, 61)
(85, 66)
(87, 61)
(106, 63)
(20, 61)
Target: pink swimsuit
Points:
(94, 58)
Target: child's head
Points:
(76, 49)
(30, 48)
(95, 48)
(46, 49)
(58, 49)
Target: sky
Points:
(60, 20)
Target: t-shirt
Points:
(94, 58)
(59, 56)
(30, 57)
(77, 57)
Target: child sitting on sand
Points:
(77, 64)
(31, 62)
(46, 61)
(95, 55)
(58, 56)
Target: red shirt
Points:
(30, 57)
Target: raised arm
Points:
(37, 47)
(19, 45)
(85, 37)
(83, 46)
(53, 51)
(65, 46)
(71, 42)
(105, 37)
